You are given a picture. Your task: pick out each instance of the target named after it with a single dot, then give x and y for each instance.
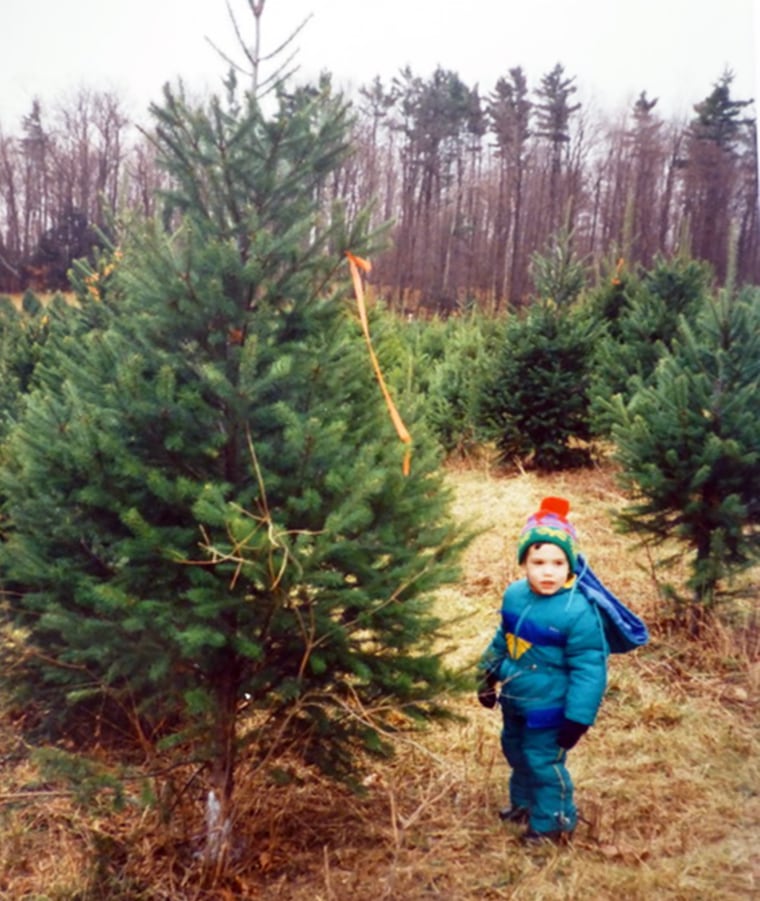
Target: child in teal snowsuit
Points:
(550, 656)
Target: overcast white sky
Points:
(674, 49)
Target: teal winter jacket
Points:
(550, 656)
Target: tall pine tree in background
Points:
(205, 499)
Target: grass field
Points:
(667, 782)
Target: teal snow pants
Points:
(540, 782)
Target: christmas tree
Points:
(688, 444)
(640, 314)
(534, 401)
(205, 504)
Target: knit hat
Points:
(549, 526)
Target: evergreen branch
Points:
(280, 75)
(236, 554)
(276, 747)
(289, 40)
(253, 56)
(228, 59)
(393, 597)
(51, 661)
(369, 717)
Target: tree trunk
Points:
(219, 799)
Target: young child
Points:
(550, 656)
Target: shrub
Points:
(534, 401)
(640, 314)
(689, 445)
(454, 380)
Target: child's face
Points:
(546, 567)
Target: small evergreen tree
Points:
(689, 445)
(557, 273)
(450, 405)
(640, 313)
(205, 500)
(20, 335)
(533, 401)
(24, 334)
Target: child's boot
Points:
(554, 836)
(514, 815)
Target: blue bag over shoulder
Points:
(623, 630)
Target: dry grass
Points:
(44, 297)
(668, 781)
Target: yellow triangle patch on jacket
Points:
(516, 647)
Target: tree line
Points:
(475, 186)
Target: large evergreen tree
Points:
(553, 113)
(205, 499)
(719, 136)
(509, 110)
(689, 445)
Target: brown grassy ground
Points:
(668, 781)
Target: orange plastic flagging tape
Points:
(356, 263)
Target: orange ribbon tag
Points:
(355, 264)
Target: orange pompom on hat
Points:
(550, 526)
